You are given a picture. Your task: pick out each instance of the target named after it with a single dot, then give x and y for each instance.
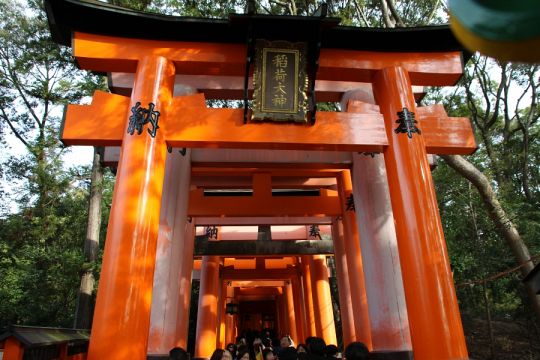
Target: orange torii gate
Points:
(394, 181)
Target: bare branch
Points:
(15, 132)
(361, 14)
(386, 16)
(395, 15)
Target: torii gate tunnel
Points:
(271, 201)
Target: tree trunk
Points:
(83, 316)
(499, 217)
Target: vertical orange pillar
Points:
(354, 260)
(290, 311)
(284, 320)
(122, 315)
(207, 311)
(324, 311)
(174, 251)
(382, 269)
(184, 288)
(314, 296)
(222, 315)
(344, 288)
(13, 349)
(308, 296)
(299, 308)
(434, 319)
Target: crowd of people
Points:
(264, 348)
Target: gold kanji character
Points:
(280, 89)
(280, 74)
(280, 60)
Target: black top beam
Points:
(66, 16)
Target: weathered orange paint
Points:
(13, 349)
(435, 323)
(344, 286)
(115, 54)
(308, 295)
(122, 314)
(324, 313)
(207, 311)
(354, 262)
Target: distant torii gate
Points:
(391, 179)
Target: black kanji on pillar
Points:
(211, 232)
(349, 204)
(407, 123)
(314, 231)
(141, 116)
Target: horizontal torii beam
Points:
(326, 204)
(116, 54)
(258, 274)
(258, 247)
(283, 220)
(196, 126)
(232, 87)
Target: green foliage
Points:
(505, 119)
(42, 243)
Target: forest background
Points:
(489, 202)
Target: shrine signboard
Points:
(280, 82)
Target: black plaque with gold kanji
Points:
(280, 81)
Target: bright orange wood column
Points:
(344, 288)
(291, 313)
(207, 311)
(354, 260)
(222, 314)
(13, 349)
(122, 315)
(298, 309)
(308, 295)
(324, 311)
(435, 323)
(282, 309)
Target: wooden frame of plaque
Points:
(280, 81)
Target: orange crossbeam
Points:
(325, 204)
(442, 134)
(224, 128)
(115, 54)
(103, 123)
(100, 124)
(193, 125)
(264, 274)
